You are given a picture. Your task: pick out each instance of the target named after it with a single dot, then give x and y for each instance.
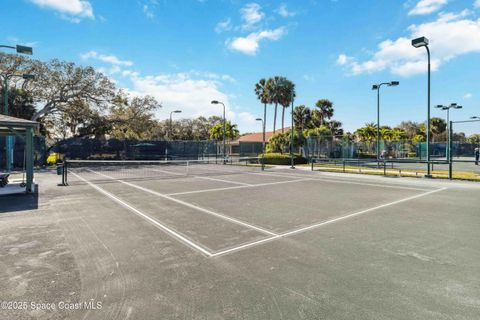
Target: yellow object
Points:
(53, 158)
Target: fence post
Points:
(343, 165)
(450, 164)
(384, 168)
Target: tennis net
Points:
(105, 170)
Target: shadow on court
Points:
(19, 202)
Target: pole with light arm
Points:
(377, 88)
(224, 130)
(9, 139)
(418, 43)
(171, 122)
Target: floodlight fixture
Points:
(420, 42)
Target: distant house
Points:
(251, 143)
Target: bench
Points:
(3, 179)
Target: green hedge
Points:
(283, 159)
(366, 155)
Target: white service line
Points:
(171, 232)
(170, 172)
(238, 187)
(289, 175)
(317, 225)
(192, 206)
(226, 181)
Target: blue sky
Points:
(188, 52)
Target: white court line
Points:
(205, 178)
(289, 175)
(317, 225)
(192, 206)
(238, 187)
(226, 181)
(169, 172)
(146, 217)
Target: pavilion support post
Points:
(29, 159)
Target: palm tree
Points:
(274, 88)
(263, 94)
(367, 134)
(325, 110)
(336, 128)
(386, 133)
(301, 116)
(287, 94)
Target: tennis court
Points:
(200, 240)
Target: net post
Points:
(384, 168)
(65, 174)
(343, 165)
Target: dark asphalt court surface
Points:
(279, 244)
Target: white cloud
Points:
(477, 4)
(106, 58)
(250, 44)
(284, 12)
(224, 25)
(148, 12)
(308, 77)
(72, 10)
(450, 35)
(343, 59)
(185, 91)
(251, 15)
(427, 7)
(467, 96)
(149, 8)
(247, 119)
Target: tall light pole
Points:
(263, 141)
(224, 130)
(377, 87)
(447, 108)
(418, 43)
(9, 139)
(292, 166)
(171, 123)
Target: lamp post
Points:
(263, 141)
(171, 123)
(447, 108)
(418, 43)
(9, 139)
(377, 87)
(224, 130)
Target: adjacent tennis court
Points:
(207, 240)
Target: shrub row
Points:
(283, 159)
